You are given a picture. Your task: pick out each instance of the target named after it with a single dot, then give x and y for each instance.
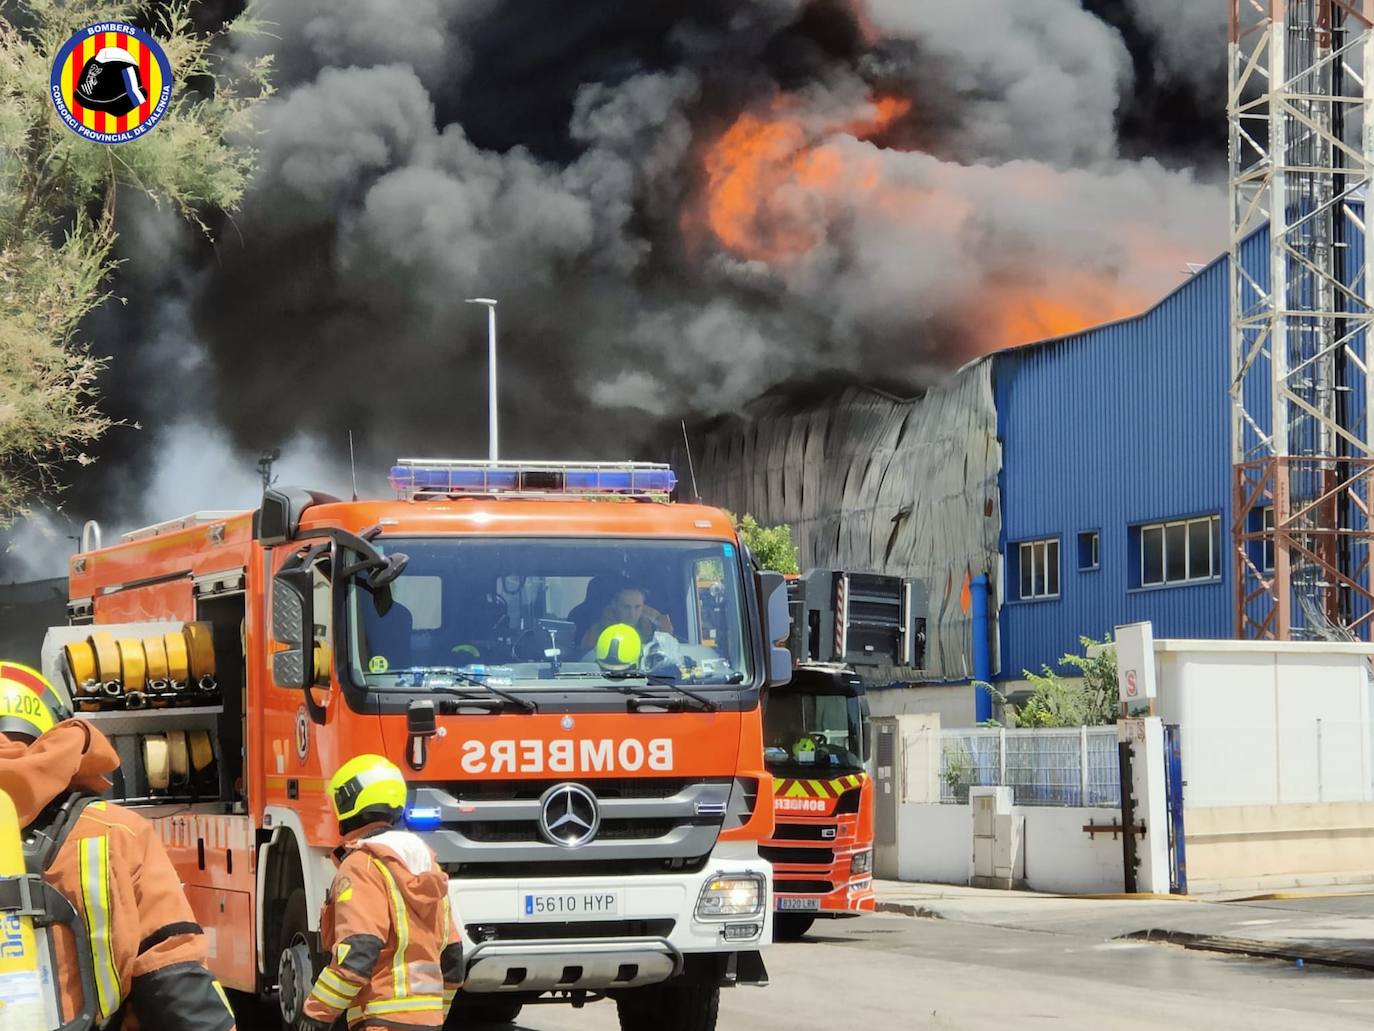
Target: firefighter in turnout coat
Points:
(395, 953)
(148, 953)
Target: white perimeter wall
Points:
(935, 844)
(1266, 723)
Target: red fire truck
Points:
(847, 629)
(238, 658)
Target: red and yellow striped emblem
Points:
(149, 80)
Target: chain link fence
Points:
(1072, 766)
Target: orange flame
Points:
(767, 176)
(776, 182)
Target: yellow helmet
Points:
(366, 782)
(29, 707)
(618, 647)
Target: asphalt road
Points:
(889, 971)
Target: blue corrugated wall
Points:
(1121, 425)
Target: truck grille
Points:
(803, 887)
(654, 819)
(539, 931)
(804, 832)
(610, 830)
(576, 865)
(810, 856)
(532, 790)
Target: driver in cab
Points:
(628, 606)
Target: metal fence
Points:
(1074, 766)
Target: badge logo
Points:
(569, 816)
(111, 82)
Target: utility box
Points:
(906, 769)
(999, 859)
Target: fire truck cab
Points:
(849, 631)
(599, 820)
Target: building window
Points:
(1088, 545)
(1039, 568)
(1183, 551)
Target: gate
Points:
(1174, 784)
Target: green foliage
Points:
(771, 545)
(58, 201)
(1057, 702)
(957, 771)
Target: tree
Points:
(1057, 702)
(58, 203)
(771, 545)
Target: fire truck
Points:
(849, 630)
(599, 823)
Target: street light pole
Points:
(491, 372)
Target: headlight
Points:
(732, 896)
(861, 863)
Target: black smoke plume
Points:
(944, 165)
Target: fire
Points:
(769, 175)
(781, 183)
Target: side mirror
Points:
(866, 729)
(279, 517)
(293, 622)
(421, 725)
(387, 573)
(777, 622)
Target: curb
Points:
(906, 909)
(1298, 952)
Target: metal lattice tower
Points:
(1302, 305)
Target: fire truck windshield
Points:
(528, 613)
(812, 734)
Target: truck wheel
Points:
(670, 1007)
(789, 927)
(468, 1011)
(296, 964)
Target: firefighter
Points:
(396, 956)
(804, 749)
(148, 953)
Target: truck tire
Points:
(469, 1011)
(789, 927)
(295, 964)
(670, 1007)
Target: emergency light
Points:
(426, 477)
(424, 818)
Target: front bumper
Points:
(649, 940)
(856, 896)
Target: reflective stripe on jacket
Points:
(394, 946)
(147, 951)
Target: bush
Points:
(1090, 700)
(771, 545)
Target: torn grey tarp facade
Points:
(872, 483)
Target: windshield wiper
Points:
(527, 704)
(662, 680)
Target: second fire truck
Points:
(848, 631)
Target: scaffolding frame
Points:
(1299, 102)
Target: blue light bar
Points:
(415, 477)
(426, 818)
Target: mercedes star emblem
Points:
(568, 815)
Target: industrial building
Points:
(1088, 478)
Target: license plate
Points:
(569, 905)
(808, 904)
